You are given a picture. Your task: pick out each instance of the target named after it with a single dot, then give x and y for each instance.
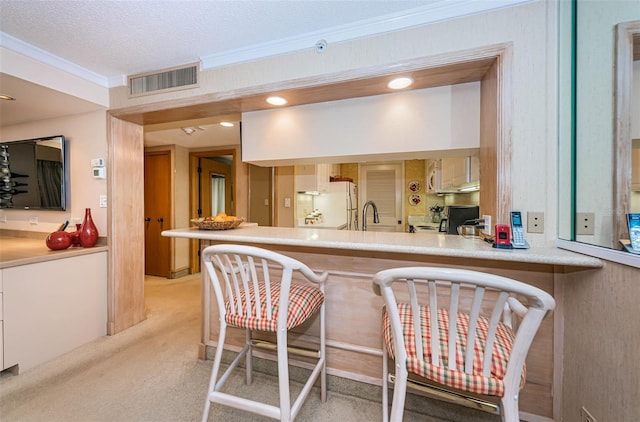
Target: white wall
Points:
(434, 120)
(86, 135)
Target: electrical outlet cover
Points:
(535, 222)
(585, 223)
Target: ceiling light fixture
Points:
(226, 124)
(400, 83)
(276, 101)
(6, 97)
(190, 130)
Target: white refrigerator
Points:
(339, 206)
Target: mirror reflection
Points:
(605, 115)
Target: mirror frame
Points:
(627, 35)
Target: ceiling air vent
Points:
(167, 80)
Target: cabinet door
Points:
(453, 172)
(312, 177)
(306, 178)
(323, 172)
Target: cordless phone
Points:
(517, 231)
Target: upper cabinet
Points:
(315, 177)
(452, 174)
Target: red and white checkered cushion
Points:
(304, 301)
(474, 382)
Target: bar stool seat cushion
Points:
(304, 302)
(458, 379)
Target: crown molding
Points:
(35, 53)
(434, 12)
(437, 11)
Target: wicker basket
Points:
(203, 224)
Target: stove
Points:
(422, 224)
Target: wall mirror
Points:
(34, 174)
(599, 119)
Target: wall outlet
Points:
(103, 201)
(585, 223)
(33, 219)
(585, 416)
(487, 225)
(535, 222)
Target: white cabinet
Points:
(635, 169)
(454, 172)
(450, 173)
(52, 307)
(315, 177)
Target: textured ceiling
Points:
(114, 38)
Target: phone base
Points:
(502, 246)
(523, 246)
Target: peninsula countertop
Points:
(390, 242)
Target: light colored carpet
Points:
(151, 372)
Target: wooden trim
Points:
(625, 33)
(125, 225)
(239, 190)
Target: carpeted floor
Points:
(151, 372)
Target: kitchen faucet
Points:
(376, 220)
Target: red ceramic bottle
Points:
(88, 234)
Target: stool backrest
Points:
(488, 300)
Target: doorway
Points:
(382, 184)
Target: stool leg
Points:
(385, 383)
(214, 371)
(248, 358)
(283, 376)
(323, 355)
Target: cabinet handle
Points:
(147, 219)
(160, 220)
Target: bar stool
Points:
(253, 289)
(454, 345)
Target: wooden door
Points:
(157, 213)
(382, 184)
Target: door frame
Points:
(194, 177)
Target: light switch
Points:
(287, 202)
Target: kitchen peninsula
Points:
(354, 311)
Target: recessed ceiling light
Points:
(226, 124)
(400, 83)
(6, 97)
(277, 101)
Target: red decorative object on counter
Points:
(88, 233)
(58, 240)
(75, 236)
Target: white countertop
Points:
(410, 243)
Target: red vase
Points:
(88, 233)
(58, 240)
(75, 236)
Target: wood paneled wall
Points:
(125, 225)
